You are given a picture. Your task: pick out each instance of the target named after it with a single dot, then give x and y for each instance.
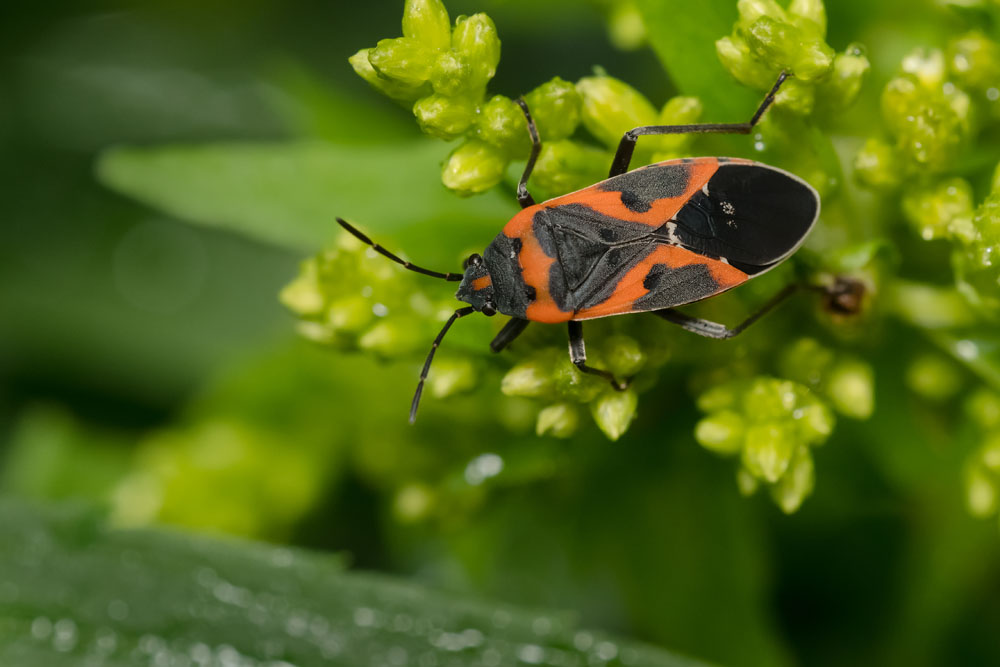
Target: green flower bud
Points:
(452, 375)
(612, 107)
(746, 482)
(680, 110)
(976, 271)
(623, 355)
(982, 491)
(929, 125)
(555, 107)
(933, 377)
(413, 502)
(815, 423)
(738, 61)
(389, 339)
(303, 295)
(502, 124)
(841, 88)
(403, 60)
(531, 378)
(722, 432)
(625, 26)
(392, 88)
(796, 484)
(768, 450)
(475, 38)
(473, 167)
(983, 406)
(349, 314)
(427, 21)
(719, 397)
(770, 399)
(559, 421)
(974, 60)
(569, 382)
(926, 67)
(785, 45)
(614, 411)
(751, 10)
(809, 15)
(877, 166)
(851, 388)
(930, 210)
(566, 166)
(452, 74)
(445, 117)
(796, 96)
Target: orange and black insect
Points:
(645, 240)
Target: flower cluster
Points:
(548, 375)
(443, 72)
(768, 39)
(772, 423)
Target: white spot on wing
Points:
(728, 208)
(672, 233)
(704, 188)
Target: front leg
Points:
(578, 355)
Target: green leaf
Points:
(74, 592)
(683, 35)
(288, 194)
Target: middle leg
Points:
(578, 355)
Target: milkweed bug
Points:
(645, 240)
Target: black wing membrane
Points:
(752, 215)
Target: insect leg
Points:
(358, 234)
(461, 312)
(578, 355)
(524, 197)
(627, 145)
(714, 329)
(510, 331)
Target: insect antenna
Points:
(461, 312)
(358, 234)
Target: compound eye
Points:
(475, 259)
(489, 309)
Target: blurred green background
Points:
(149, 371)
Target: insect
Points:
(646, 240)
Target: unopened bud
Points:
(427, 21)
(476, 39)
(614, 411)
(796, 484)
(559, 421)
(768, 450)
(612, 107)
(403, 59)
(445, 117)
(721, 432)
(473, 167)
(851, 388)
(502, 124)
(392, 88)
(555, 108)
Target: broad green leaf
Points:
(683, 35)
(74, 592)
(288, 194)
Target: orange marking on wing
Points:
(661, 210)
(482, 283)
(630, 287)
